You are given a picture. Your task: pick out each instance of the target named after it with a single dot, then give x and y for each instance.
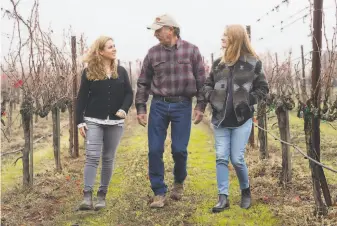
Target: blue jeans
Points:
(230, 143)
(161, 115)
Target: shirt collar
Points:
(176, 46)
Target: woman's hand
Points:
(83, 128)
(121, 113)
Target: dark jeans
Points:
(161, 115)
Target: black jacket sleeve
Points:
(128, 97)
(82, 97)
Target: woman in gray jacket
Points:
(236, 82)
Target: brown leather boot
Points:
(177, 191)
(159, 201)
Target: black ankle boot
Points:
(245, 198)
(222, 204)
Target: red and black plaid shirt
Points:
(171, 71)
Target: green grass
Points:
(203, 162)
(129, 192)
(328, 143)
(11, 175)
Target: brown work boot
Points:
(177, 191)
(158, 201)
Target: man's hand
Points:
(197, 116)
(142, 119)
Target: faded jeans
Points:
(230, 144)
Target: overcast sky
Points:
(202, 22)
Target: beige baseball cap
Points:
(163, 20)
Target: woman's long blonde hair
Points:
(238, 43)
(95, 68)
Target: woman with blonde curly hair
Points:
(235, 84)
(103, 101)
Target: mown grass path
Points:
(130, 193)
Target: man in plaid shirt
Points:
(173, 72)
